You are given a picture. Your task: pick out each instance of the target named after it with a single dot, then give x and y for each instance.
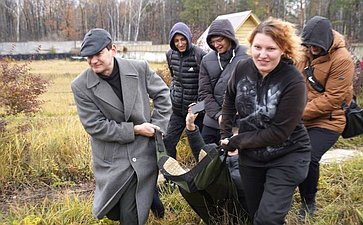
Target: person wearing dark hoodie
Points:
(269, 95)
(215, 71)
(329, 66)
(183, 60)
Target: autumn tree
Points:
(151, 20)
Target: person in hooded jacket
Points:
(215, 71)
(183, 60)
(328, 65)
(269, 95)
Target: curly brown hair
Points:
(284, 34)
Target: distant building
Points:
(242, 22)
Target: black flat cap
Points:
(95, 41)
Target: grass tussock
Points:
(51, 149)
(76, 209)
(71, 209)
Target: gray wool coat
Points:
(117, 153)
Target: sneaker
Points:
(306, 209)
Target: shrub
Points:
(19, 89)
(164, 73)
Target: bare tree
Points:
(32, 20)
(302, 13)
(14, 10)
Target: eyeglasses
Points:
(216, 40)
(313, 46)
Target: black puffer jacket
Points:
(184, 67)
(216, 70)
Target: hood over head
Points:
(318, 31)
(183, 29)
(222, 27)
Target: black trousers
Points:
(233, 167)
(321, 141)
(211, 135)
(125, 210)
(175, 129)
(128, 210)
(269, 187)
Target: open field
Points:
(46, 177)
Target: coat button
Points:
(134, 159)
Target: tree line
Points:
(151, 20)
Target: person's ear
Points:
(114, 48)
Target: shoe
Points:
(306, 210)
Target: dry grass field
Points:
(46, 176)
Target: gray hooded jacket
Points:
(216, 69)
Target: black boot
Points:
(157, 206)
(307, 209)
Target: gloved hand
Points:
(228, 148)
(225, 145)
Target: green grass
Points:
(51, 150)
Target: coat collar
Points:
(129, 85)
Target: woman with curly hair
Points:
(269, 95)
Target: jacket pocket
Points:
(103, 151)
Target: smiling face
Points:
(221, 44)
(102, 62)
(180, 42)
(266, 54)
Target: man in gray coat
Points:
(113, 104)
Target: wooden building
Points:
(242, 22)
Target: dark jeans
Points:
(233, 167)
(321, 141)
(157, 206)
(269, 187)
(175, 129)
(211, 135)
